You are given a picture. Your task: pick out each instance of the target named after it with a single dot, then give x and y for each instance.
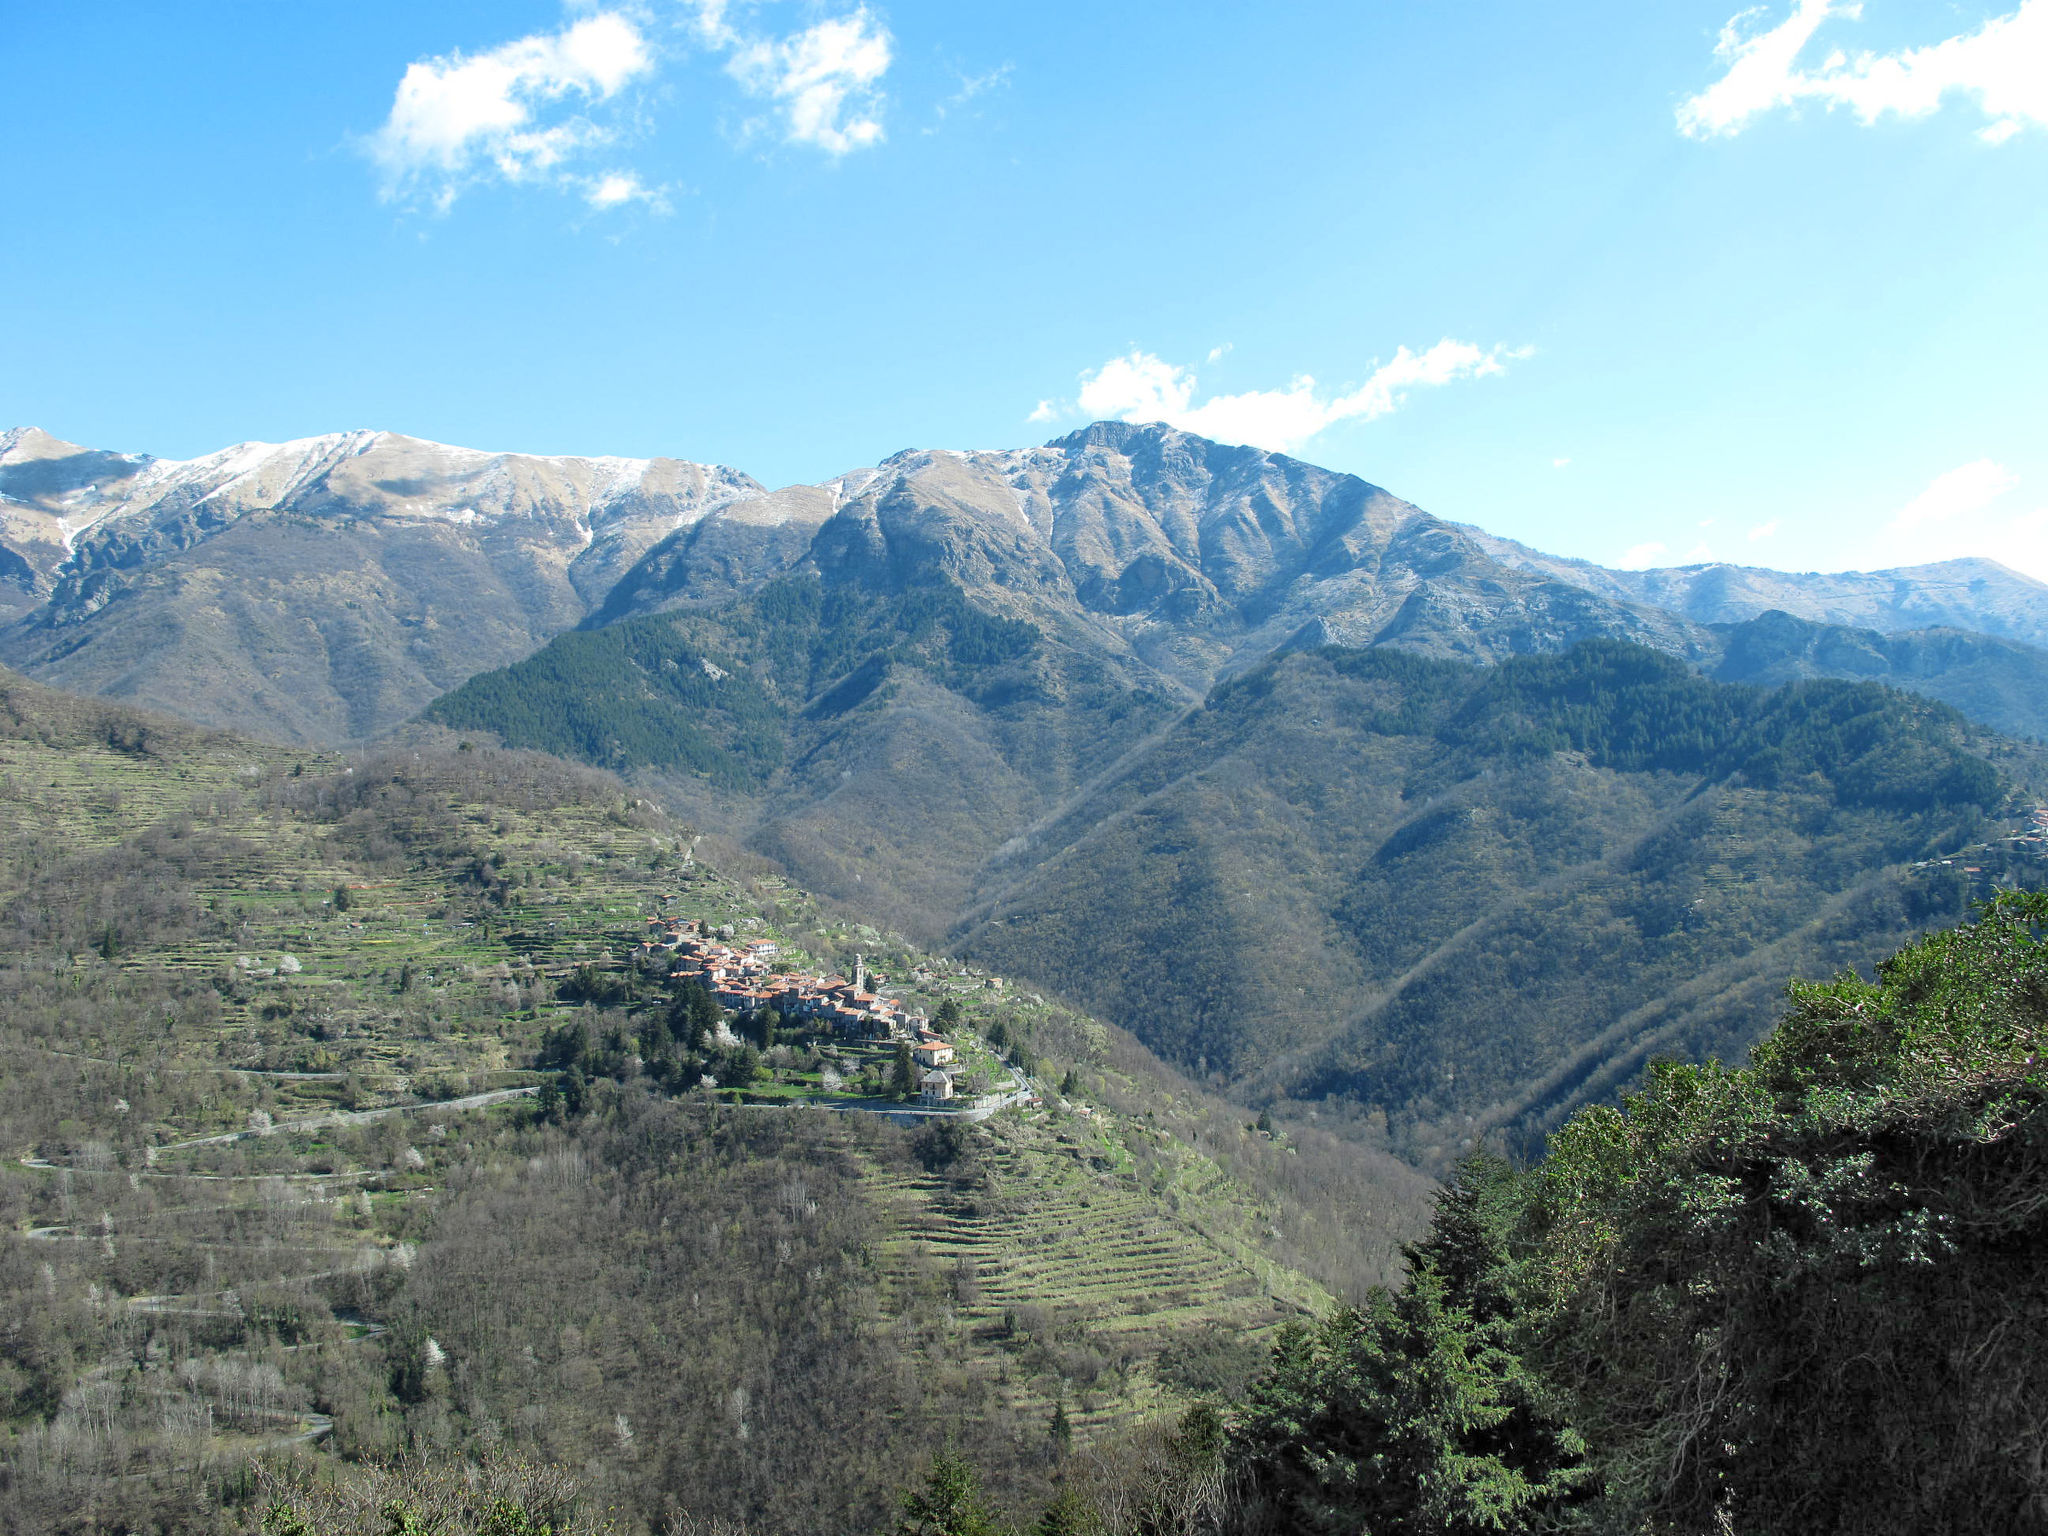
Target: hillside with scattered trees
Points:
(1802, 1295)
(341, 1123)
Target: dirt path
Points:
(352, 1117)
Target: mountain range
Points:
(325, 590)
(315, 591)
(1340, 806)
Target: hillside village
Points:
(743, 977)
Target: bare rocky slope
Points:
(325, 590)
(320, 591)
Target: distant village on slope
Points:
(741, 977)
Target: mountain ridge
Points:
(325, 589)
(1951, 594)
(320, 589)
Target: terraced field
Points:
(264, 1015)
(1070, 1275)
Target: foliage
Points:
(939, 1143)
(1167, 1476)
(1805, 1292)
(264, 1209)
(499, 1496)
(1637, 710)
(720, 698)
(948, 1503)
(1415, 1412)
(1069, 1514)
(1803, 1295)
(1435, 901)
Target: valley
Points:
(617, 963)
(875, 769)
(1333, 862)
(1104, 715)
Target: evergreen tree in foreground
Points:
(949, 1503)
(1808, 1295)
(1415, 1412)
(1069, 1514)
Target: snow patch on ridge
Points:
(844, 490)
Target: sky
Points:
(1654, 284)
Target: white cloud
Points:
(1763, 531)
(822, 79)
(614, 189)
(533, 111)
(1131, 386)
(972, 86)
(1141, 387)
(1217, 354)
(1045, 411)
(1560, 463)
(514, 113)
(2003, 63)
(1967, 489)
(712, 29)
(1962, 513)
(1641, 557)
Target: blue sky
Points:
(1649, 283)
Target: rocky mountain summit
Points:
(324, 589)
(1182, 557)
(327, 589)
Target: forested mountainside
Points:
(337, 1113)
(1443, 903)
(323, 591)
(883, 745)
(1802, 1295)
(344, 1121)
(1443, 899)
(1996, 682)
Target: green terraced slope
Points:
(269, 1025)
